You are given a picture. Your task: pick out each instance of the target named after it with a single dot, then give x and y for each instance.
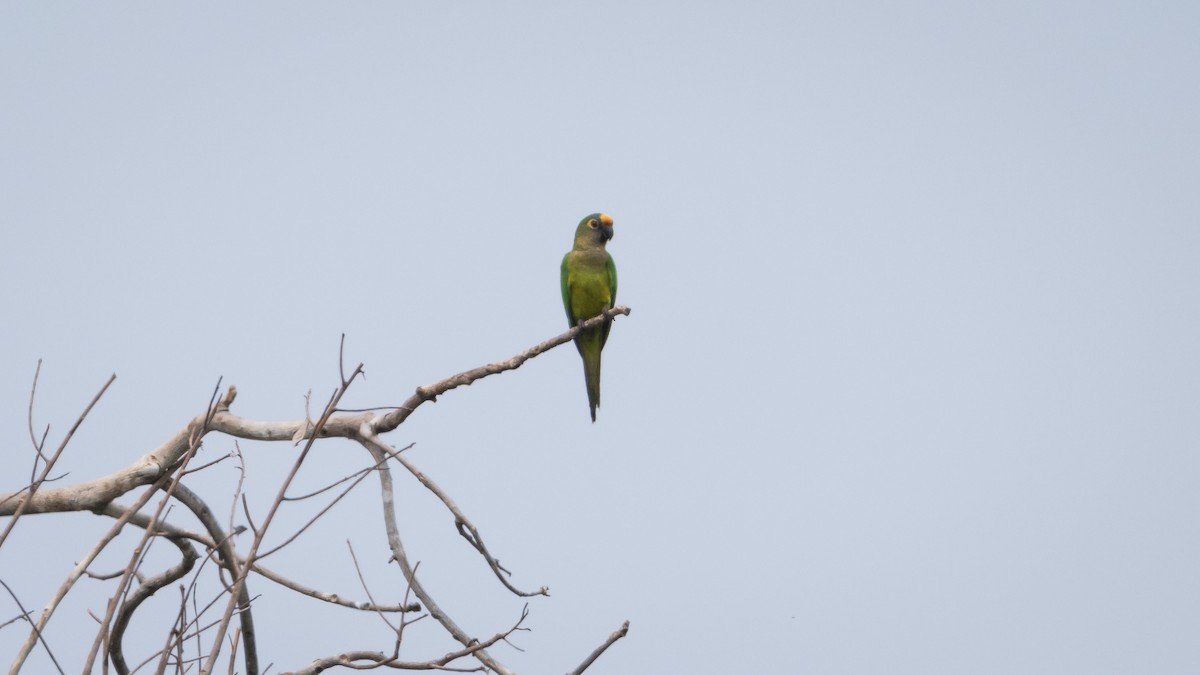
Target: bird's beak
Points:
(606, 226)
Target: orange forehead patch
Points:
(606, 219)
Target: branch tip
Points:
(228, 399)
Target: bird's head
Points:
(596, 228)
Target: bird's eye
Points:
(592, 223)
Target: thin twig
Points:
(466, 529)
(366, 589)
(37, 445)
(362, 475)
(356, 475)
(28, 496)
(341, 355)
(404, 620)
(25, 615)
(174, 638)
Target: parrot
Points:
(589, 287)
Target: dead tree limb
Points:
(161, 470)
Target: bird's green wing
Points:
(566, 289)
(611, 268)
(612, 280)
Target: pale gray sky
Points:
(911, 382)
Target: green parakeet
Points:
(589, 287)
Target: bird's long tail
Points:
(589, 344)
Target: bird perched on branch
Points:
(589, 287)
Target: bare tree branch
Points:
(76, 573)
(141, 593)
(169, 480)
(162, 471)
(387, 493)
(240, 580)
(143, 521)
(617, 635)
(378, 659)
(396, 417)
(228, 559)
(95, 494)
(333, 598)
